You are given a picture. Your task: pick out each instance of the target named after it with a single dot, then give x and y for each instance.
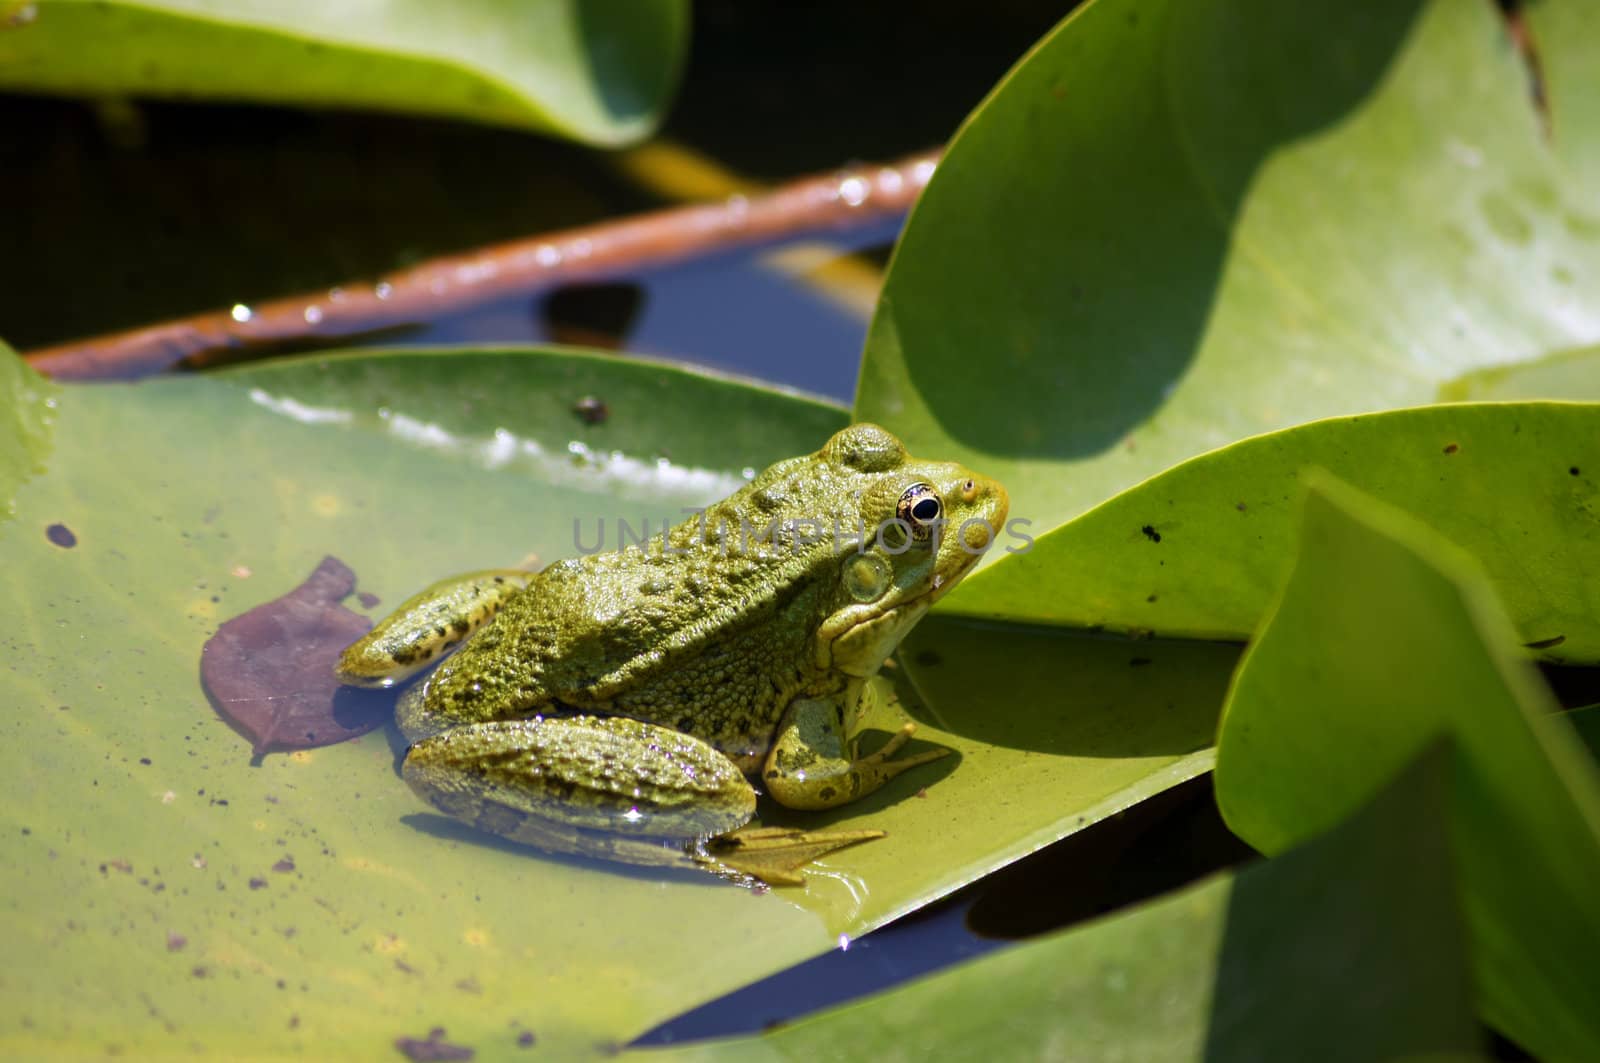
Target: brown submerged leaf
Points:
(269, 671)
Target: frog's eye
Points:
(969, 490)
(920, 508)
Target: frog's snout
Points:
(987, 502)
(999, 504)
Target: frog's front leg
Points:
(813, 763)
(427, 626)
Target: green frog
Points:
(613, 705)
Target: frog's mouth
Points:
(863, 647)
(859, 638)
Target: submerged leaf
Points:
(270, 671)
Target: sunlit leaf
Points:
(1178, 223)
(1387, 638)
(1201, 549)
(594, 72)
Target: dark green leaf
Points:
(1386, 639)
(594, 72)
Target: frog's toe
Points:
(885, 762)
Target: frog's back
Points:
(587, 631)
(711, 623)
(595, 628)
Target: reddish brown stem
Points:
(841, 200)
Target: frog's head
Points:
(926, 525)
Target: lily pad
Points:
(592, 72)
(27, 416)
(1386, 639)
(319, 905)
(1201, 550)
(1262, 964)
(1180, 223)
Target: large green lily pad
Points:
(175, 898)
(1349, 947)
(593, 72)
(26, 418)
(1201, 550)
(1386, 639)
(1178, 223)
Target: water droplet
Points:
(844, 942)
(547, 255)
(890, 180)
(748, 472)
(336, 295)
(1465, 154)
(854, 191)
(241, 313)
(473, 272)
(922, 172)
(313, 315)
(383, 289)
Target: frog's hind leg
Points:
(813, 763)
(427, 627)
(601, 786)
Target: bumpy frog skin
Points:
(616, 702)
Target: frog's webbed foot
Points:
(427, 626)
(813, 763)
(774, 856)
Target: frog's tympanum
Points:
(616, 702)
